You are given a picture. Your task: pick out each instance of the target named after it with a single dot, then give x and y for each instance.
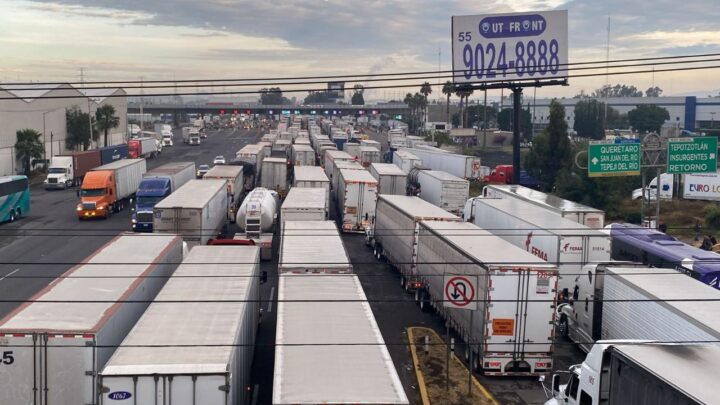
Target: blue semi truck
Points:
(155, 186)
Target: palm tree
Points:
(106, 119)
(425, 90)
(420, 105)
(463, 91)
(28, 146)
(448, 90)
(410, 101)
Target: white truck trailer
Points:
(274, 175)
(463, 166)
(391, 179)
(356, 197)
(198, 211)
(362, 373)
(312, 177)
(252, 154)
(620, 302)
(235, 178)
(302, 155)
(343, 165)
(640, 373)
(394, 232)
(557, 240)
(187, 367)
(443, 189)
(369, 155)
(256, 219)
(406, 160)
(312, 247)
(331, 157)
(53, 351)
(514, 339)
(589, 216)
(305, 204)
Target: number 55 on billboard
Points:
(510, 47)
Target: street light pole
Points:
(44, 139)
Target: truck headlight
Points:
(78, 208)
(134, 221)
(101, 207)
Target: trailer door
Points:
(68, 368)
(18, 369)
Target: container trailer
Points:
(274, 175)
(312, 177)
(356, 197)
(235, 177)
(391, 179)
(442, 189)
(312, 247)
(305, 204)
(106, 189)
(406, 160)
(157, 184)
(463, 166)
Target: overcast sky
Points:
(191, 39)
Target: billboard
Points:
(701, 186)
(510, 47)
(336, 90)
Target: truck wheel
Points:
(12, 216)
(68, 184)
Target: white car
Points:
(219, 160)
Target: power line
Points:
(359, 76)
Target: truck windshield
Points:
(56, 170)
(148, 200)
(92, 192)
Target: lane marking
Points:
(272, 294)
(9, 274)
(418, 373)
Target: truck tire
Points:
(12, 216)
(68, 184)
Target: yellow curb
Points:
(476, 383)
(416, 363)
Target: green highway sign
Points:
(607, 159)
(692, 155)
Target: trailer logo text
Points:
(532, 249)
(119, 395)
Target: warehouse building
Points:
(42, 108)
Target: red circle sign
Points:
(459, 291)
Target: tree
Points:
(482, 112)
(27, 147)
(106, 120)
(589, 117)
(317, 97)
(505, 121)
(551, 151)
(272, 96)
(463, 91)
(78, 128)
(448, 90)
(653, 92)
(615, 120)
(647, 118)
(425, 90)
(359, 88)
(618, 90)
(358, 99)
(455, 120)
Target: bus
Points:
(14, 197)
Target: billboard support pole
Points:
(517, 94)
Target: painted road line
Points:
(9, 274)
(272, 295)
(416, 365)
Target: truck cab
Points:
(60, 173)
(97, 195)
(150, 192)
(501, 174)
(167, 138)
(194, 138)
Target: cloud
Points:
(677, 38)
(77, 10)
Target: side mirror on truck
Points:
(555, 384)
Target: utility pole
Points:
(607, 76)
(517, 94)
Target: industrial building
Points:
(42, 107)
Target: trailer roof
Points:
(125, 258)
(305, 197)
(274, 160)
(538, 216)
(349, 164)
(168, 168)
(404, 154)
(368, 148)
(692, 369)
(118, 164)
(482, 246)
(338, 154)
(310, 173)
(416, 207)
(250, 149)
(343, 374)
(302, 147)
(543, 199)
(441, 175)
(669, 284)
(193, 194)
(387, 169)
(224, 172)
(357, 176)
(312, 244)
(228, 273)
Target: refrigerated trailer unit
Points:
(197, 211)
(55, 350)
(359, 373)
(356, 198)
(394, 232)
(565, 243)
(589, 216)
(304, 204)
(515, 294)
(391, 179)
(203, 351)
(312, 247)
